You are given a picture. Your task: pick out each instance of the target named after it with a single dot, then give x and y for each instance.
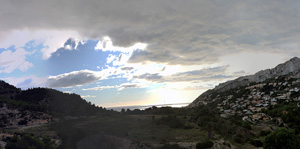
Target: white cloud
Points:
(119, 87)
(88, 96)
(99, 88)
(72, 44)
(106, 44)
(110, 58)
(27, 82)
(9, 61)
(51, 39)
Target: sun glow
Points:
(169, 96)
(106, 44)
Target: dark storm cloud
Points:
(208, 74)
(73, 78)
(177, 32)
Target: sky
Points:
(143, 52)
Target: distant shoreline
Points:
(143, 107)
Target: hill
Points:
(41, 105)
(290, 69)
(262, 103)
(7, 90)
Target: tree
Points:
(123, 111)
(282, 138)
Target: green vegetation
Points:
(256, 143)
(264, 133)
(171, 120)
(139, 128)
(164, 127)
(289, 112)
(22, 105)
(54, 102)
(27, 141)
(282, 138)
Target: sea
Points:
(143, 107)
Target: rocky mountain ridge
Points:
(291, 68)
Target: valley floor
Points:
(132, 131)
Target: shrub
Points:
(282, 138)
(30, 142)
(22, 122)
(256, 143)
(238, 140)
(264, 132)
(171, 121)
(204, 144)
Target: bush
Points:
(28, 141)
(282, 138)
(22, 122)
(171, 121)
(246, 125)
(264, 132)
(238, 140)
(204, 144)
(256, 143)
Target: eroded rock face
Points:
(103, 142)
(291, 67)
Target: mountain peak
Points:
(294, 59)
(290, 67)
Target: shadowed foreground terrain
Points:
(262, 111)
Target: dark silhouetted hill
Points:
(51, 101)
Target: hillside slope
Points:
(290, 68)
(40, 105)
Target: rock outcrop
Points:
(291, 67)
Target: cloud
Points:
(177, 32)
(119, 87)
(88, 96)
(51, 39)
(72, 44)
(10, 61)
(127, 68)
(26, 82)
(99, 88)
(131, 85)
(208, 74)
(148, 76)
(74, 78)
(110, 58)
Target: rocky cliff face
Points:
(291, 67)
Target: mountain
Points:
(290, 68)
(7, 90)
(41, 105)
